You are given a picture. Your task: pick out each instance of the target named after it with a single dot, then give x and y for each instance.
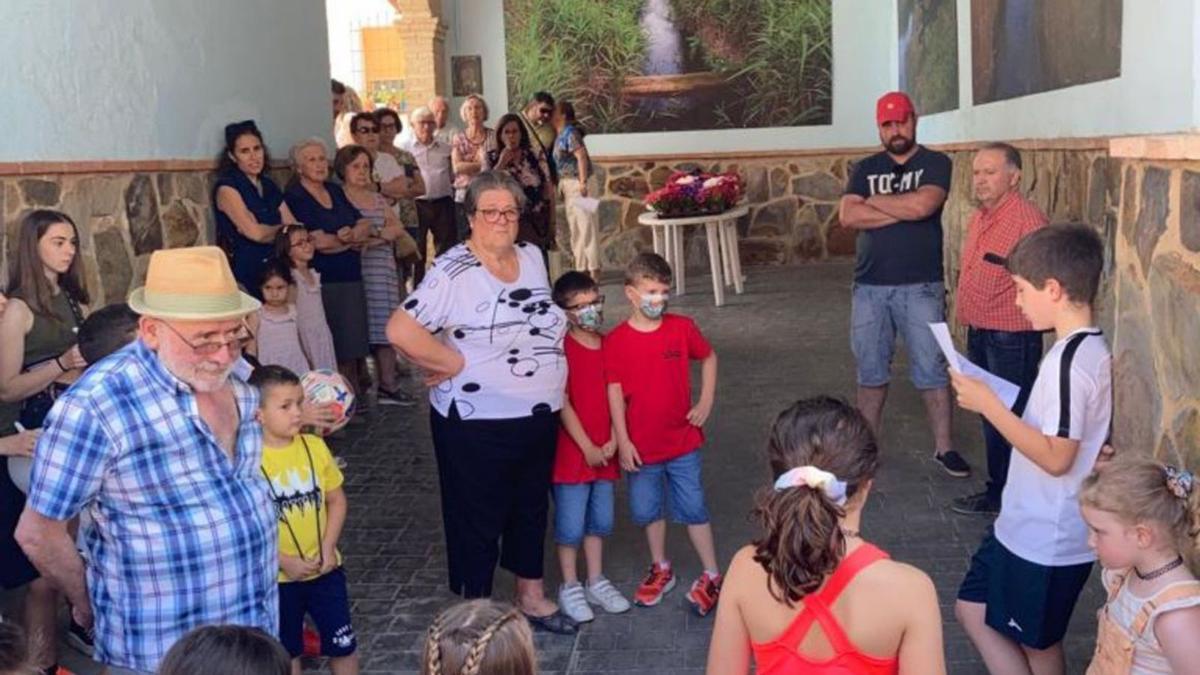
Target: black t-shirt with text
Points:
(910, 251)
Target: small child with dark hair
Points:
(106, 330)
(479, 637)
(228, 650)
(14, 650)
(659, 430)
(276, 325)
(584, 468)
(1025, 578)
(306, 485)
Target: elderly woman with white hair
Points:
(435, 208)
(338, 229)
(469, 152)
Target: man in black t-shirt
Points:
(894, 199)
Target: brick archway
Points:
(423, 32)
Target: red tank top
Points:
(781, 656)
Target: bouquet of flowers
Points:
(696, 193)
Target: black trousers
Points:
(495, 483)
(436, 216)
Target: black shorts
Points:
(1026, 602)
(326, 601)
(15, 568)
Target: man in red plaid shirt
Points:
(999, 338)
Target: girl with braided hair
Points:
(811, 595)
(479, 637)
(1143, 521)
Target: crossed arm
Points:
(869, 213)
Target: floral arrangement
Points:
(696, 193)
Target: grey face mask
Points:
(653, 305)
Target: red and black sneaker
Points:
(704, 593)
(658, 582)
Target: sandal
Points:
(557, 623)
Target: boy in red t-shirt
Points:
(658, 429)
(584, 468)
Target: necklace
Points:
(850, 534)
(1154, 574)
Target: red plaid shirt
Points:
(986, 295)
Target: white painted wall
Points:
(1156, 92)
(864, 66)
(158, 79)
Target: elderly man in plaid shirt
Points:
(159, 445)
(999, 338)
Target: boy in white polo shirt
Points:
(1023, 582)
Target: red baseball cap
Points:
(894, 106)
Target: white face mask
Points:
(653, 305)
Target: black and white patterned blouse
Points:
(510, 335)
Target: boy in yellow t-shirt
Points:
(306, 485)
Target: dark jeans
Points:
(1015, 356)
(436, 216)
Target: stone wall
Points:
(1157, 295)
(122, 218)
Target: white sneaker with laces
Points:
(603, 593)
(573, 603)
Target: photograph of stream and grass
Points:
(928, 42)
(663, 65)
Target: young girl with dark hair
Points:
(228, 650)
(811, 595)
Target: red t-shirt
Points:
(587, 392)
(652, 369)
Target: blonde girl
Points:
(479, 637)
(1143, 523)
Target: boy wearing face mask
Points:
(658, 430)
(584, 467)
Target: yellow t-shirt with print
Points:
(300, 477)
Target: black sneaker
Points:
(979, 504)
(953, 464)
(397, 397)
(82, 639)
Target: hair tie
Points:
(814, 478)
(1180, 482)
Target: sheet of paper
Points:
(1006, 391)
(588, 204)
(941, 333)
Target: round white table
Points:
(721, 231)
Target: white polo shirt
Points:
(1071, 398)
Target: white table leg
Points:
(679, 265)
(658, 238)
(726, 261)
(735, 258)
(712, 232)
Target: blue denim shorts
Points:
(679, 479)
(582, 509)
(879, 313)
(326, 600)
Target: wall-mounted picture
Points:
(1021, 47)
(928, 32)
(466, 75)
(662, 65)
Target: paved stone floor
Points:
(784, 339)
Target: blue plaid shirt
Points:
(181, 536)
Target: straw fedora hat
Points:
(191, 284)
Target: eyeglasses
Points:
(208, 344)
(367, 130)
(598, 303)
(425, 122)
(494, 215)
(306, 241)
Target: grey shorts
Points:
(880, 313)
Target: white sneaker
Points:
(573, 603)
(604, 594)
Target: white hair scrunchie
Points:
(814, 478)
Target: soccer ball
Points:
(322, 387)
(19, 469)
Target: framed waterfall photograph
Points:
(667, 65)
